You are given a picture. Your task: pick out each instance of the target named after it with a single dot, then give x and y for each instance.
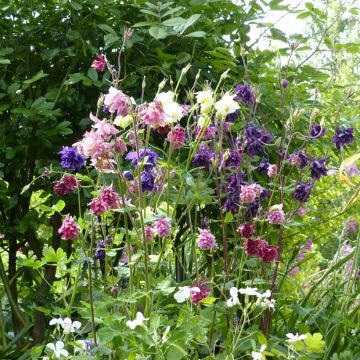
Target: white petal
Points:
(64, 352)
(51, 346)
(76, 324)
(53, 322)
(131, 324)
(59, 345)
(67, 321)
(234, 291)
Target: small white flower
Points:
(58, 349)
(226, 105)
(56, 321)
(82, 345)
(266, 294)
(266, 303)
(249, 291)
(184, 293)
(234, 299)
(132, 324)
(258, 355)
(294, 338)
(69, 326)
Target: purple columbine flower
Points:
(99, 251)
(245, 94)
(318, 169)
(149, 155)
(300, 159)
(302, 191)
(204, 156)
(128, 175)
(231, 159)
(147, 181)
(71, 159)
(263, 166)
(342, 137)
(233, 116)
(317, 130)
(255, 140)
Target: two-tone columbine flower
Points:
(206, 240)
(138, 321)
(226, 105)
(184, 293)
(69, 229)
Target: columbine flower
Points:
(317, 130)
(284, 83)
(351, 226)
(247, 194)
(244, 93)
(148, 156)
(58, 349)
(231, 159)
(71, 159)
(261, 249)
(103, 128)
(99, 64)
(110, 197)
(302, 191)
(147, 181)
(177, 138)
(70, 326)
(65, 186)
(149, 233)
(234, 298)
(226, 105)
(139, 320)
(205, 99)
(259, 355)
(246, 230)
(318, 168)
(206, 240)
(100, 250)
(162, 227)
(117, 102)
(203, 157)
(276, 215)
(69, 229)
(342, 137)
(294, 338)
(153, 114)
(272, 171)
(299, 158)
(196, 296)
(255, 140)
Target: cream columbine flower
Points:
(204, 121)
(249, 291)
(184, 293)
(58, 349)
(205, 99)
(173, 112)
(165, 97)
(294, 338)
(226, 105)
(132, 324)
(123, 121)
(259, 355)
(234, 299)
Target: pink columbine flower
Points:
(276, 216)
(208, 134)
(199, 292)
(97, 206)
(99, 64)
(206, 240)
(246, 230)
(301, 212)
(301, 255)
(69, 229)
(149, 233)
(117, 102)
(272, 171)
(103, 128)
(351, 226)
(92, 145)
(247, 194)
(120, 146)
(177, 137)
(153, 115)
(162, 227)
(110, 197)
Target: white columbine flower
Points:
(205, 99)
(184, 293)
(70, 326)
(294, 338)
(259, 355)
(173, 112)
(58, 349)
(132, 324)
(165, 97)
(234, 299)
(226, 105)
(123, 121)
(249, 291)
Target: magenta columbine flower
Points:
(110, 197)
(98, 206)
(162, 227)
(246, 230)
(69, 229)
(65, 186)
(247, 194)
(272, 171)
(177, 137)
(276, 216)
(199, 292)
(99, 64)
(206, 240)
(261, 249)
(149, 233)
